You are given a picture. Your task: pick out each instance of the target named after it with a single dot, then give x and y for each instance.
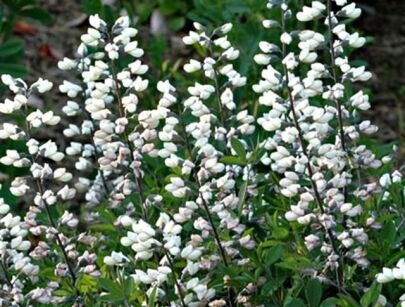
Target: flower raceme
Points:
(188, 196)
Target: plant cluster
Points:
(188, 193)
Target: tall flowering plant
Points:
(191, 194)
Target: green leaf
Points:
(129, 287)
(347, 301)
(329, 302)
(313, 292)
(296, 263)
(87, 284)
(389, 233)
(371, 296)
(111, 286)
(103, 227)
(11, 47)
(37, 13)
(91, 7)
(144, 10)
(294, 302)
(176, 24)
(280, 233)
(239, 148)
(110, 298)
(14, 69)
(23, 3)
(152, 297)
(273, 254)
(257, 155)
(242, 196)
(232, 160)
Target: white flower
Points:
(116, 259)
(190, 253)
(306, 56)
(67, 193)
(70, 89)
(192, 38)
(396, 177)
(4, 208)
(67, 64)
(226, 28)
(286, 38)
(60, 174)
(227, 99)
(310, 13)
(231, 54)
(42, 85)
(91, 38)
(351, 11)
(96, 22)
(50, 119)
(18, 244)
(176, 187)
(311, 242)
(192, 66)
(385, 180)
(71, 109)
(50, 150)
(132, 49)
(386, 276)
(138, 68)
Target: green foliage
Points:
(313, 292)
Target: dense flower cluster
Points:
(188, 196)
(315, 140)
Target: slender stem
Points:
(318, 197)
(215, 231)
(221, 110)
(339, 108)
(57, 235)
(41, 190)
(218, 94)
(130, 146)
(231, 295)
(183, 127)
(97, 156)
(179, 289)
(335, 79)
(8, 280)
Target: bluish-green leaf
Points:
(91, 7)
(313, 292)
(371, 296)
(242, 196)
(37, 13)
(232, 160)
(329, 302)
(274, 254)
(14, 69)
(11, 47)
(239, 148)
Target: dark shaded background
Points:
(385, 21)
